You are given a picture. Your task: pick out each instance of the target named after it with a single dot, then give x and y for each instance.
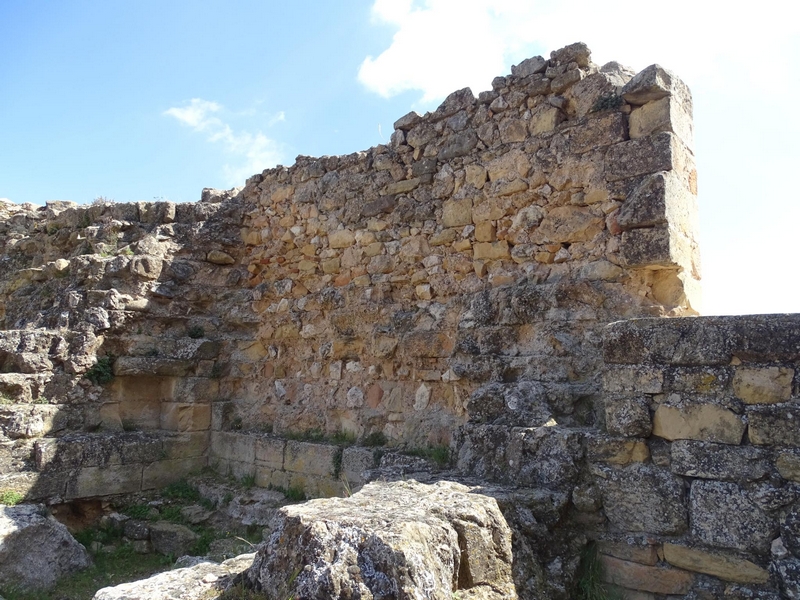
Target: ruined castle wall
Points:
(698, 475)
(489, 241)
(373, 293)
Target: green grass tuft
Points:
(437, 454)
(11, 497)
(103, 371)
(590, 577)
(181, 490)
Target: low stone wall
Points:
(699, 475)
(316, 469)
(81, 465)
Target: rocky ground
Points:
(83, 546)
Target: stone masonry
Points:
(451, 289)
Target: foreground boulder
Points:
(402, 540)
(35, 549)
(203, 581)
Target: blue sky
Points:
(158, 99)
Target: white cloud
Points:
(253, 151)
(443, 45)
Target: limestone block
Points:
(657, 199)
(615, 451)
(598, 132)
(546, 456)
(485, 232)
(406, 122)
(266, 477)
(380, 264)
(142, 365)
(229, 445)
(709, 460)
(568, 224)
(708, 381)
(704, 341)
(269, 452)
(665, 114)
(315, 486)
(133, 447)
(475, 176)
(458, 144)
(529, 66)
(310, 459)
(513, 130)
(384, 204)
(160, 474)
(764, 385)
(179, 416)
(511, 165)
(658, 152)
(694, 421)
(232, 468)
(658, 580)
(788, 464)
(457, 213)
(491, 251)
(420, 135)
(653, 83)
(400, 187)
(490, 210)
(147, 267)
(103, 481)
(507, 188)
(193, 389)
(628, 416)
(443, 238)
(426, 344)
(658, 247)
(341, 238)
(644, 498)
(218, 257)
(642, 554)
(545, 119)
(727, 567)
(640, 379)
(186, 445)
(774, 425)
(723, 516)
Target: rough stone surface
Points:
(724, 516)
(199, 582)
(644, 498)
(35, 549)
(403, 540)
(171, 539)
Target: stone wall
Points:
(452, 289)
(490, 241)
(698, 475)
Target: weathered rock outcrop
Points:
(403, 540)
(35, 549)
